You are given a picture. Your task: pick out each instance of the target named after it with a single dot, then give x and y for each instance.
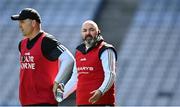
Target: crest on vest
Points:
(27, 61)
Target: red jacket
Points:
(37, 75)
(90, 77)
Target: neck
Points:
(34, 34)
(87, 47)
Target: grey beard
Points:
(90, 42)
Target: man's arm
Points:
(53, 50)
(108, 62)
(66, 67)
(71, 85)
(65, 71)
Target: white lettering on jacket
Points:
(85, 68)
(83, 59)
(27, 61)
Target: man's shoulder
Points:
(107, 46)
(81, 48)
(50, 39)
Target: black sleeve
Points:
(19, 46)
(51, 48)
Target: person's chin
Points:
(89, 44)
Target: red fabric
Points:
(90, 77)
(37, 75)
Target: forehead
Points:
(87, 25)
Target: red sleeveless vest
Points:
(90, 77)
(37, 75)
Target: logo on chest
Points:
(83, 59)
(84, 68)
(27, 61)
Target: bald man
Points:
(94, 72)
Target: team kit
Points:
(50, 73)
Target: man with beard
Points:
(94, 73)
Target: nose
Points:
(87, 32)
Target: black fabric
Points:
(107, 46)
(51, 47)
(82, 48)
(27, 13)
(31, 43)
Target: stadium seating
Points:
(149, 58)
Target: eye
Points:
(92, 29)
(84, 30)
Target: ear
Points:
(34, 23)
(99, 32)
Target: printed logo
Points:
(83, 59)
(85, 68)
(27, 61)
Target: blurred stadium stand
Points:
(145, 32)
(149, 56)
